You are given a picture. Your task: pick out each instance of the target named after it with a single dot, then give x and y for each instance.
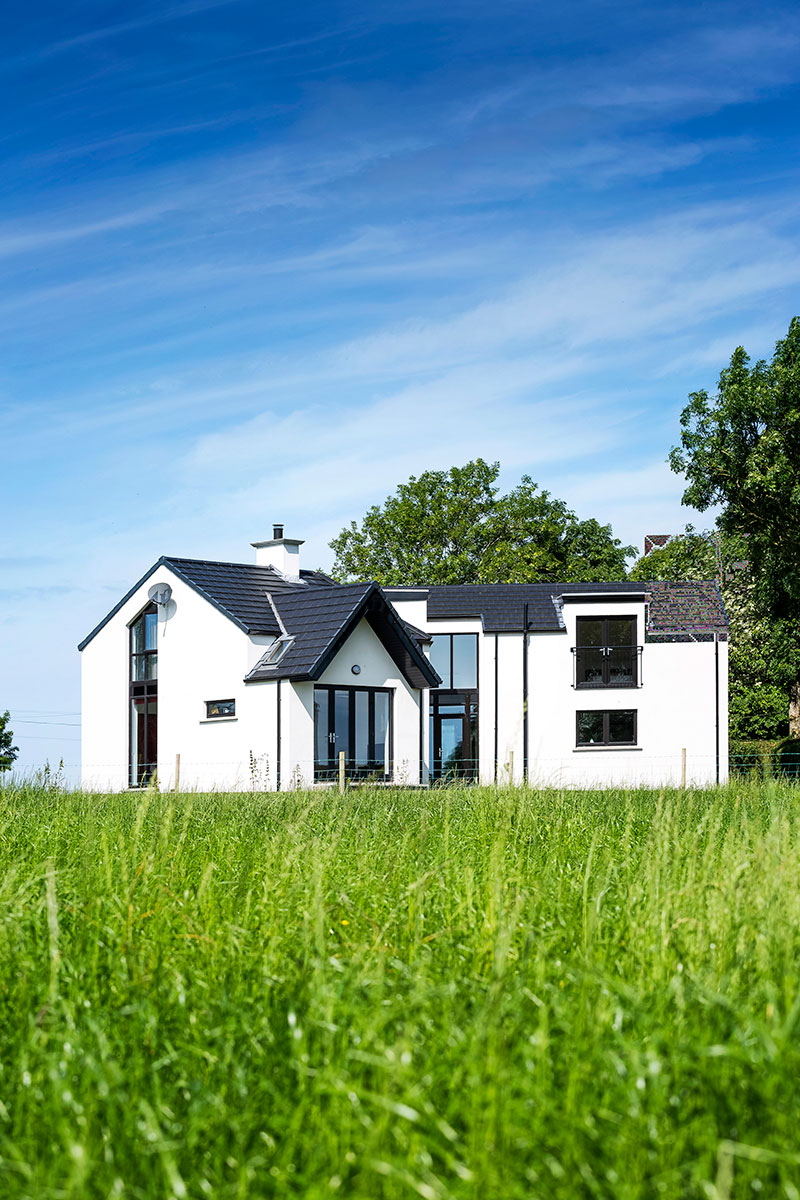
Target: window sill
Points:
(605, 749)
(607, 687)
(217, 720)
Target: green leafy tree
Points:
(8, 753)
(741, 449)
(690, 555)
(454, 527)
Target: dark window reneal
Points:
(143, 697)
(220, 708)
(606, 727)
(606, 654)
(455, 657)
(144, 652)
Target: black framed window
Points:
(144, 648)
(606, 654)
(454, 734)
(606, 727)
(357, 721)
(220, 708)
(455, 657)
(143, 697)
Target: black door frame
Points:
(449, 699)
(327, 770)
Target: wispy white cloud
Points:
(101, 33)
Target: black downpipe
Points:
(278, 755)
(525, 697)
(716, 697)
(422, 737)
(496, 701)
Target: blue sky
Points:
(263, 262)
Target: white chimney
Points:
(279, 552)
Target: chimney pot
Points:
(277, 532)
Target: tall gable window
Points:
(454, 707)
(144, 651)
(143, 686)
(606, 654)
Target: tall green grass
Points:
(457, 993)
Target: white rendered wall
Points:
(676, 705)
(201, 656)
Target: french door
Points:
(454, 735)
(357, 721)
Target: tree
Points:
(741, 449)
(763, 660)
(8, 753)
(689, 555)
(453, 527)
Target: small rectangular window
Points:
(220, 708)
(606, 727)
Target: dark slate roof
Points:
(240, 589)
(501, 606)
(677, 611)
(237, 590)
(320, 623)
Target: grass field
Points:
(463, 993)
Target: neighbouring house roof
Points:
(676, 611)
(656, 541)
(320, 624)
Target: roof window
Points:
(277, 650)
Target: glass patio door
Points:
(356, 721)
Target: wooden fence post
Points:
(341, 770)
(683, 768)
(177, 772)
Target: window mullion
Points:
(331, 727)
(371, 728)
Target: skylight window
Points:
(277, 650)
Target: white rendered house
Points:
(235, 676)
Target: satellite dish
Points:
(160, 593)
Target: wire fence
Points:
(580, 767)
